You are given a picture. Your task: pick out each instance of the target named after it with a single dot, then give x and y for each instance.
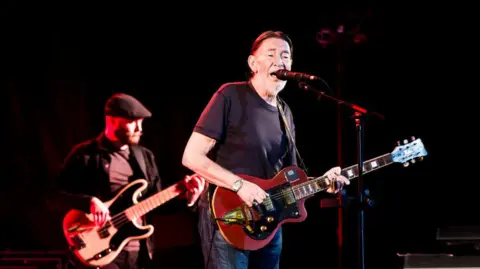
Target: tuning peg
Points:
(420, 158)
(405, 164)
(405, 141)
(398, 143)
(413, 138)
(412, 161)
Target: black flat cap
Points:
(126, 106)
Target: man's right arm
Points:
(67, 187)
(196, 158)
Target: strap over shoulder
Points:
(281, 104)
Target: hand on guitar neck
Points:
(337, 181)
(195, 185)
(100, 212)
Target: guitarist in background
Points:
(95, 170)
(243, 123)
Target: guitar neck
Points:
(319, 184)
(154, 201)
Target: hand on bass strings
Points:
(100, 212)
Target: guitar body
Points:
(253, 228)
(99, 246)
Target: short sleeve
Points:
(213, 120)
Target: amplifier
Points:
(34, 260)
(440, 261)
(459, 233)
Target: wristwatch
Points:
(237, 185)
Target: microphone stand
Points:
(358, 115)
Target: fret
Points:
(368, 166)
(309, 188)
(152, 202)
(319, 184)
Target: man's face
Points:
(128, 131)
(272, 55)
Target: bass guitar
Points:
(251, 228)
(98, 246)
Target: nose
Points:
(138, 126)
(279, 62)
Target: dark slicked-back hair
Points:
(270, 34)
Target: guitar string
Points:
(119, 218)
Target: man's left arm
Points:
(194, 185)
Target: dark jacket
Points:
(85, 174)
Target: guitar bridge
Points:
(235, 216)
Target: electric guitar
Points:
(251, 228)
(99, 246)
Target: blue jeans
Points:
(219, 254)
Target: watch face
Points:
(237, 184)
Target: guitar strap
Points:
(289, 133)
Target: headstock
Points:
(409, 152)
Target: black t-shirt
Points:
(250, 133)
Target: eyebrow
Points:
(273, 49)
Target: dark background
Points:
(62, 61)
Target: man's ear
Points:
(252, 63)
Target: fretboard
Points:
(319, 184)
(154, 201)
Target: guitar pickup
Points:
(77, 243)
(103, 232)
(268, 204)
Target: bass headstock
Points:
(409, 152)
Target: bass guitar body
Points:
(99, 246)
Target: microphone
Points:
(284, 74)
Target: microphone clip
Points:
(304, 86)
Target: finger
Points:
(344, 180)
(102, 218)
(106, 218)
(97, 218)
(337, 170)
